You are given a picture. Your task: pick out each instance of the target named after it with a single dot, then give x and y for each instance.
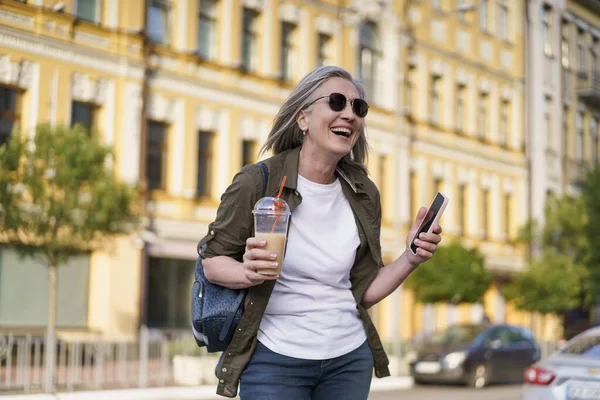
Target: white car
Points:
(572, 373)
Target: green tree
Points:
(551, 285)
(455, 274)
(591, 201)
(59, 198)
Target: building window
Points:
(594, 134)
(207, 29)
(87, 9)
(579, 139)
(580, 50)
(369, 56)
(410, 90)
(168, 299)
(482, 119)
(248, 152)
(547, 29)
(158, 24)
(460, 108)
(564, 46)
(156, 155)
(483, 15)
(437, 186)
(548, 123)
(436, 4)
(503, 20)
(249, 40)
(83, 114)
(434, 101)
(504, 123)
(462, 207)
(287, 51)
(507, 214)
(485, 213)
(205, 163)
(323, 41)
(566, 136)
(10, 111)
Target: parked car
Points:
(475, 354)
(571, 373)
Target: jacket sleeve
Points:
(234, 222)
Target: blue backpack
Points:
(217, 310)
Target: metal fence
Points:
(154, 359)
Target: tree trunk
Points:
(50, 348)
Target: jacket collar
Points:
(290, 168)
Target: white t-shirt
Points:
(312, 313)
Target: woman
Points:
(306, 334)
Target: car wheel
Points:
(479, 376)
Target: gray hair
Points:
(286, 134)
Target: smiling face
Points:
(332, 132)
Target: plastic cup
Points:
(271, 219)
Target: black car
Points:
(475, 354)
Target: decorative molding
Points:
(485, 180)
(91, 39)
(370, 9)
(88, 90)
(462, 77)
(289, 12)
(161, 108)
(56, 50)
(325, 25)
(16, 73)
(507, 94)
(508, 186)
(258, 5)
(17, 19)
(437, 67)
(484, 86)
(437, 170)
(207, 119)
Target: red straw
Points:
(278, 205)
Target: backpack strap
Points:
(265, 172)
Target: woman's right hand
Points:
(255, 258)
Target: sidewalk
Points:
(182, 393)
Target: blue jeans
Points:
(272, 376)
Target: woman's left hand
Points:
(426, 242)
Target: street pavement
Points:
(435, 392)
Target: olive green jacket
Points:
(234, 224)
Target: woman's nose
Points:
(347, 112)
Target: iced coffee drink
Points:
(271, 218)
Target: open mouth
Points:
(345, 132)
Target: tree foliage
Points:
(455, 274)
(566, 270)
(552, 284)
(58, 197)
(591, 200)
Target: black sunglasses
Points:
(337, 102)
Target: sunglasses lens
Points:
(337, 101)
(360, 107)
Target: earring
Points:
(303, 132)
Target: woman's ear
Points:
(302, 120)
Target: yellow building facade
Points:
(446, 86)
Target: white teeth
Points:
(343, 131)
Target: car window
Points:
(587, 345)
(516, 336)
(501, 333)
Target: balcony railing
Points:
(588, 87)
(575, 171)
